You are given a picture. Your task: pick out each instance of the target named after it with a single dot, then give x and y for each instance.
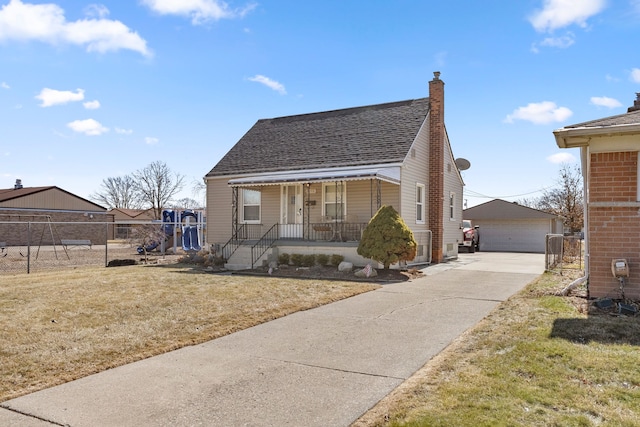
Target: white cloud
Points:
(540, 113)
(150, 140)
(123, 131)
(563, 13)
(604, 101)
(635, 75)
(91, 105)
(96, 10)
(4, 85)
(51, 97)
(272, 84)
(200, 11)
(89, 127)
(559, 42)
(47, 23)
(563, 157)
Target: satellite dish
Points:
(462, 164)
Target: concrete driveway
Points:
(321, 367)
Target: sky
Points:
(94, 90)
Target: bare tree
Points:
(157, 185)
(119, 192)
(565, 200)
(187, 203)
(199, 192)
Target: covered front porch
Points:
(328, 207)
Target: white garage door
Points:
(513, 235)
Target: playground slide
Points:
(190, 239)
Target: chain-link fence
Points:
(564, 252)
(27, 247)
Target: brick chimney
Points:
(636, 104)
(436, 166)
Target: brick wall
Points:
(436, 166)
(15, 233)
(614, 222)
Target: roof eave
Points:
(580, 137)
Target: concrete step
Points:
(237, 267)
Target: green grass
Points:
(537, 360)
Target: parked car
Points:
(470, 236)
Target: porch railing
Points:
(245, 232)
(336, 231)
(265, 242)
(232, 244)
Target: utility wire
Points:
(472, 193)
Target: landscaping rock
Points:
(366, 272)
(345, 266)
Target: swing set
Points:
(46, 220)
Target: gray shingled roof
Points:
(373, 134)
(630, 118)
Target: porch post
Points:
(341, 205)
(378, 194)
(234, 212)
(305, 201)
(371, 197)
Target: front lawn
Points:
(536, 360)
(58, 326)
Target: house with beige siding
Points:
(310, 183)
(51, 212)
(610, 168)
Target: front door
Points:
(291, 212)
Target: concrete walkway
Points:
(321, 367)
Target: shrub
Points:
(387, 239)
(336, 259)
(322, 259)
(283, 258)
(296, 259)
(309, 260)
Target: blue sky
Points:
(96, 90)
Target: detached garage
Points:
(510, 227)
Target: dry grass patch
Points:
(63, 325)
(538, 359)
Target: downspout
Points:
(584, 157)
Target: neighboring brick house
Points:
(313, 181)
(45, 208)
(609, 153)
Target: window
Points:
(419, 203)
(251, 205)
(452, 204)
(334, 201)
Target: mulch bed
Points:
(332, 273)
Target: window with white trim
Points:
(335, 201)
(452, 205)
(420, 204)
(251, 205)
